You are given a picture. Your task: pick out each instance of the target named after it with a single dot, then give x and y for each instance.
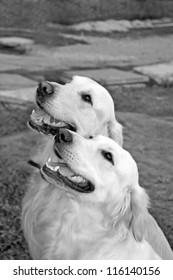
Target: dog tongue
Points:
(65, 171)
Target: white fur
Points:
(61, 223)
(43, 203)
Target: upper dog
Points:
(91, 205)
(85, 107)
(81, 105)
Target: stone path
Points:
(162, 74)
(112, 76)
(126, 51)
(111, 61)
(16, 44)
(110, 25)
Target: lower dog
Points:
(89, 204)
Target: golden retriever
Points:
(90, 205)
(81, 105)
(85, 107)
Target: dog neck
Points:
(74, 227)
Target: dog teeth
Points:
(52, 120)
(56, 168)
(38, 113)
(55, 122)
(41, 117)
(46, 119)
(53, 168)
(39, 120)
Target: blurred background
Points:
(34, 13)
(126, 45)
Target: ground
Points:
(146, 115)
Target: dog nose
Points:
(63, 136)
(44, 89)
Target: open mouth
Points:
(60, 171)
(44, 123)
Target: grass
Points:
(147, 116)
(154, 101)
(14, 151)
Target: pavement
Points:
(125, 61)
(121, 25)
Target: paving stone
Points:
(112, 25)
(162, 73)
(17, 44)
(104, 26)
(140, 24)
(111, 76)
(164, 22)
(164, 25)
(127, 86)
(15, 81)
(26, 94)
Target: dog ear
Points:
(138, 207)
(130, 213)
(115, 131)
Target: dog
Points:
(85, 107)
(82, 105)
(93, 205)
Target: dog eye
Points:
(87, 98)
(108, 156)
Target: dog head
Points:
(81, 105)
(99, 171)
